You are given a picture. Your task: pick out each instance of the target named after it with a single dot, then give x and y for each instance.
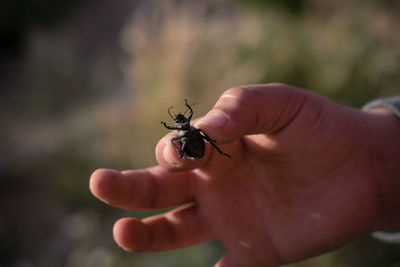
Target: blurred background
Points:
(84, 84)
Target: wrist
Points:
(385, 154)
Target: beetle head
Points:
(180, 119)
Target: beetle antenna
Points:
(170, 113)
(188, 108)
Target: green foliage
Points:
(18, 18)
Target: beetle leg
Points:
(190, 158)
(173, 144)
(206, 136)
(211, 141)
(219, 150)
(190, 108)
(170, 127)
(180, 153)
(182, 149)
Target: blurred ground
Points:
(80, 81)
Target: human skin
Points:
(306, 175)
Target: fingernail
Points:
(167, 157)
(214, 119)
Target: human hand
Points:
(300, 182)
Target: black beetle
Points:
(190, 138)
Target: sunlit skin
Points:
(306, 175)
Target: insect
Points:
(190, 138)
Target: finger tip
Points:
(167, 156)
(102, 182)
(131, 234)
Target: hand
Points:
(300, 182)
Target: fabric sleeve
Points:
(392, 104)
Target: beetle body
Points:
(194, 142)
(190, 138)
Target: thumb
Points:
(252, 109)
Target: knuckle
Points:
(150, 198)
(238, 101)
(277, 85)
(170, 232)
(155, 189)
(236, 93)
(243, 95)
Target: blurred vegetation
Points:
(17, 18)
(91, 82)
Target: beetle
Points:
(190, 138)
